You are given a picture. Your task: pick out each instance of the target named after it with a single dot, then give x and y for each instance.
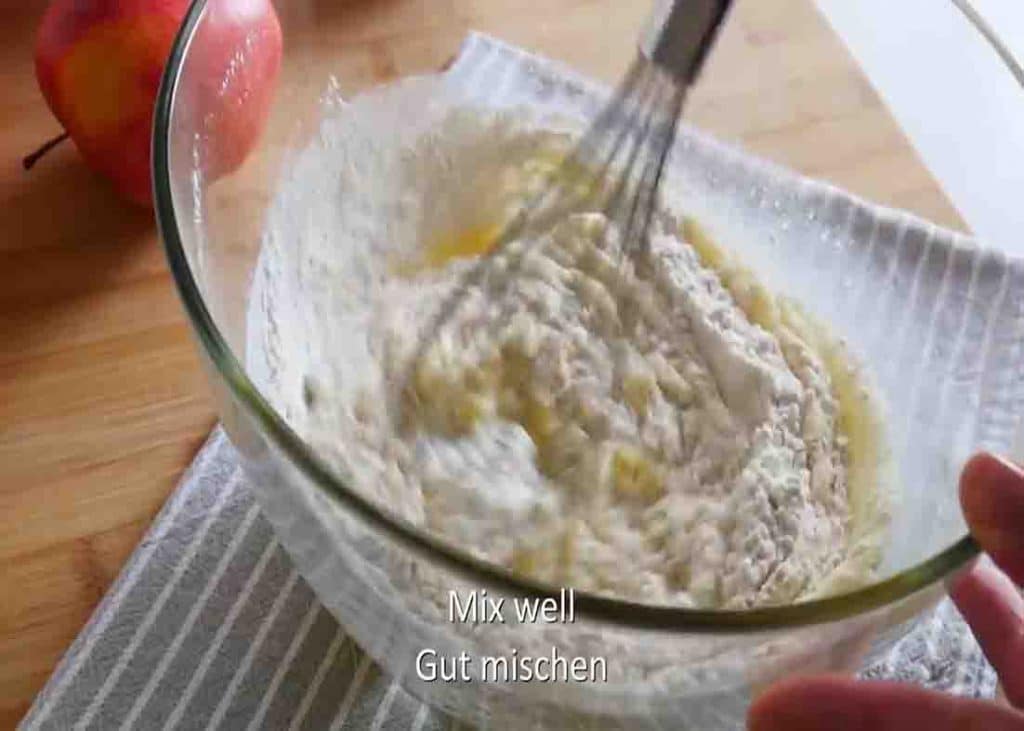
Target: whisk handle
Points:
(679, 34)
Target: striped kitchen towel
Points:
(210, 626)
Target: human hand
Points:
(992, 499)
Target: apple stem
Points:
(32, 159)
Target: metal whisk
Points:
(631, 137)
(617, 165)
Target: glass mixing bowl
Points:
(935, 319)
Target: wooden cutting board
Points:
(102, 402)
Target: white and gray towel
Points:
(210, 626)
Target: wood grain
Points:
(102, 402)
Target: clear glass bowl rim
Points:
(623, 613)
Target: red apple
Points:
(99, 62)
(237, 49)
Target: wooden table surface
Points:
(102, 402)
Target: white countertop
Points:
(953, 96)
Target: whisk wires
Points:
(616, 168)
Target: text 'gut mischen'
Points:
(549, 666)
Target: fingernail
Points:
(1012, 469)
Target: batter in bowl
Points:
(659, 428)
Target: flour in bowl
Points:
(651, 426)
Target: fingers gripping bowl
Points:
(933, 319)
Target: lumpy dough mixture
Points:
(654, 426)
